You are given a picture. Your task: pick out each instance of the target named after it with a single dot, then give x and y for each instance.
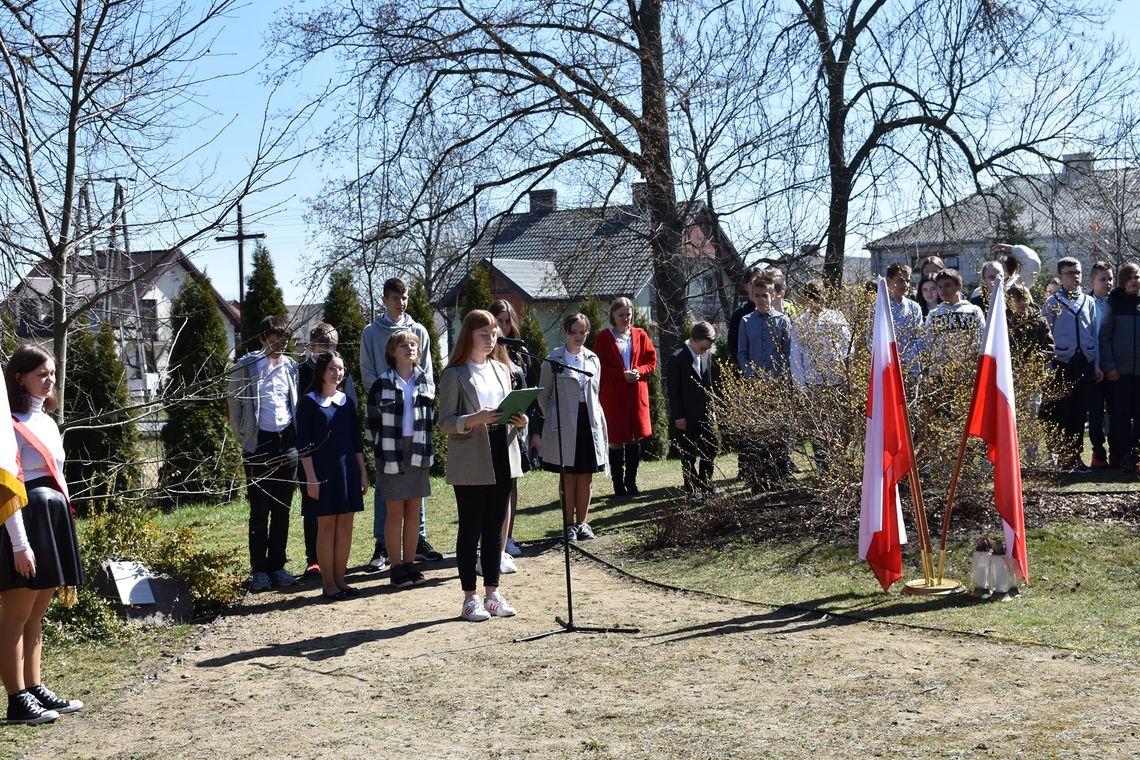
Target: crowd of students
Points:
(1089, 344)
(285, 414)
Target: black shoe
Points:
(425, 552)
(50, 701)
(400, 577)
(416, 577)
(24, 708)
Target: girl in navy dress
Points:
(38, 549)
(332, 457)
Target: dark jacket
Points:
(688, 391)
(1120, 333)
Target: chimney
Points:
(1077, 166)
(639, 191)
(542, 201)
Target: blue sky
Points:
(279, 211)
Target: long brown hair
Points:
(500, 306)
(476, 319)
(27, 358)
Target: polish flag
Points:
(887, 452)
(12, 493)
(993, 419)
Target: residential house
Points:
(142, 287)
(549, 259)
(1081, 211)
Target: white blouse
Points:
(487, 386)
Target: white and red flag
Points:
(12, 494)
(887, 453)
(993, 418)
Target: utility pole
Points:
(240, 237)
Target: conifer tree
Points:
(263, 298)
(590, 307)
(477, 291)
(419, 309)
(656, 446)
(342, 311)
(202, 459)
(102, 441)
(535, 341)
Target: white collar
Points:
(337, 398)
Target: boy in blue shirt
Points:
(762, 353)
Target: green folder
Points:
(515, 402)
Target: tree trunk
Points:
(666, 225)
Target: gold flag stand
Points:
(929, 584)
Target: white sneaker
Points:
(585, 532)
(513, 548)
(474, 610)
(507, 565)
(496, 605)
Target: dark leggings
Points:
(481, 513)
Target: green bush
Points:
(213, 577)
(92, 619)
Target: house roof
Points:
(567, 254)
(104, 270)
(1068, 204)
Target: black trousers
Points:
(1099, 402)
(1124, 422)
(1070, 411)
(271, 477)
(696, 443)
(481, 513)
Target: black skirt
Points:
(51, 535)
(585, 457)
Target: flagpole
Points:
(953, 488)
(929, 585)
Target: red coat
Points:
(626, 405)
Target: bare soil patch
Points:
(397, 674)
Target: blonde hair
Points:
(394, 341)
(617, 304)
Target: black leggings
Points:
(481, 513)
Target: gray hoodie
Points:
(374, 344)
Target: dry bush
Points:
(825, 427)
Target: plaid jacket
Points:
(385, 415)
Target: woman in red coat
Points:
(628, 358)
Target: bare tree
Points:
(534, 88)
(941, 94)
(96, 90)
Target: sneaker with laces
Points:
(399, 576)
(572, 533)
(260, 582)
(474, 610)
(51, 701)
(585, 532)
(379, 559)
(513, 548)
(496, 605)
(425, 552)
(25, 709)
(507, 565)
(282, 577)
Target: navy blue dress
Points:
(330, 434)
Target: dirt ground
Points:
(397, 674)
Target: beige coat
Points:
(568, 401)
(469, 451)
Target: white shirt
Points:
(696, 357)
(625, 347)
(487, 386)
(34, 466)
(409, 388)
(273, 412)
(576, 361)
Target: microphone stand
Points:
(568, 625)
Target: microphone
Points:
(511, 342)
